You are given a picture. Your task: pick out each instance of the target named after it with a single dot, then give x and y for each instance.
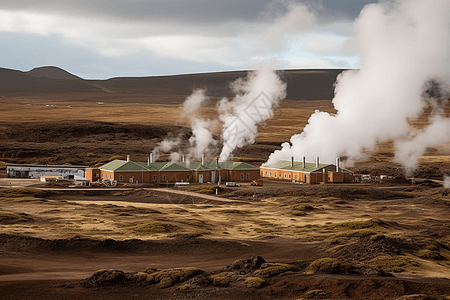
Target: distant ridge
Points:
(52, 73)
(302, 84)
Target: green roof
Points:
(298, 166)
(168, 166)
(237, 165)
(209, 165)
(123, 165)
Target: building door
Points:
(306, 178)
(213, 176)
(200, 178)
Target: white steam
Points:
(255, 100)
(403, 44)
(201, 141)
(446, 181)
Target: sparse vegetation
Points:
(273, 269)
(329, 266)
(395, 264)
(221, 281)
(255, 282)
(14, 217)
(156, 227)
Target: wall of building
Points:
(30, 171)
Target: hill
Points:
(301, 85)
(52, 73)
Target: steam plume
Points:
(256, 97)
(446, 181)
(403, 44)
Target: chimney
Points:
(151, 158)
(128, 158)
(182, 158)
(317, 162)
(337, 165)
(203, 159)
(324, 178)
(217, 161)
(292, 162)
(304, 162)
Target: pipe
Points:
(304, 162)
(337, 165)
(128, 158)
(183, 158)
(151, 158)
(317, 162)
(203, 159)
(292, 162)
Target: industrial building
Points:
(37, 171)
(307, 172)
(170, 172)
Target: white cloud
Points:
(267, 35)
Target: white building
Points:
(37, 171)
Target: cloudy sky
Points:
(103, 39)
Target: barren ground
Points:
(391, 239)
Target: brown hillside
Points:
(55, 83)
(52, 73)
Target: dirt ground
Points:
(281, 241)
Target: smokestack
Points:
(203, 159)
(151, 158)
(128, 158)
(292, 162)
(217, 161)
(324, 176)
(182, 158)
(317, 162)
(304, 162)
(337, 165)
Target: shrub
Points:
(255, 282)
(221, 281)
(167, 278)
(329, 266)
(392, 264)
(272, 269)
(429, 254)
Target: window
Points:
(110, 176)
(279, 175)
(266, 173)
(120, 178)
(164, 177)
(290, 176)
(154, 177)
(97, 175)
(242, 176)
(285, 175)
(295, 176)
(247, 176)
(188, 177)
(275, 174)
(270, 174)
